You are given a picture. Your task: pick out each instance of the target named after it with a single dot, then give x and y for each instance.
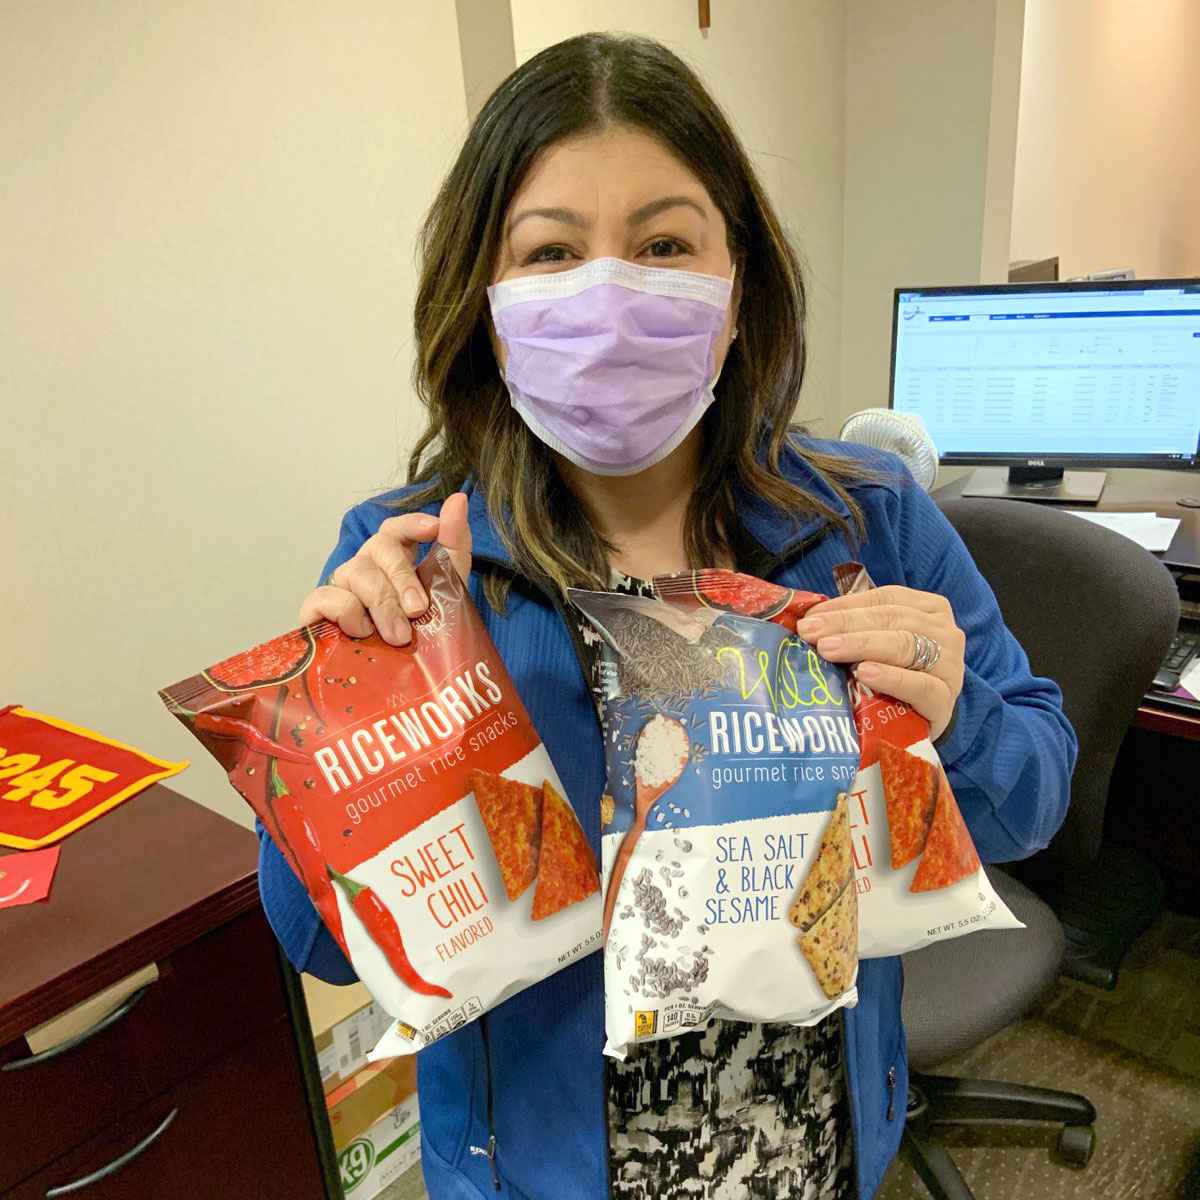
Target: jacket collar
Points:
(778, 536)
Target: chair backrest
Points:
(1094, 612)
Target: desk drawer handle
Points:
(113, 1167)
(122, 1010)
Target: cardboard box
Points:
(372, 1107)
(342, 1049)
(329, 1003)
(382, 1153)
(362, 1101)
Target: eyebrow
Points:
(639, 216)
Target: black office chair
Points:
(1096, 613)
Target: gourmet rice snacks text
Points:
(920, 877)
(729, 877)
(412, 796)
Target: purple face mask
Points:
(611, 364)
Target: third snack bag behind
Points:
(729, 882)
(922, 880)
(413, 798)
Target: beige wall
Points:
(931, 90)
(1108, 145)
(206, 238)
(775, 66)
(206, 245)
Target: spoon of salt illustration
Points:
(663, 750)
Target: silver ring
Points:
(926, 652)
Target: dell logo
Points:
(1035, 462)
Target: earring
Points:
(733, 335)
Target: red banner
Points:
(56, 777)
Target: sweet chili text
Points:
(434, 861)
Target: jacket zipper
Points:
(577, 647)
(781, 562)
(490, 1151)
(850, 1100)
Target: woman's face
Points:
(618, 193)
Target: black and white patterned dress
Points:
(736, 1111)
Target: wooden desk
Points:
(1148, 491)
(205, 1073)
(1173, 722)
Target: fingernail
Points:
(868, 671)
(829, 645)
(810, 626)
(414, 602)
(401, 632)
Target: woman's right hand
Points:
(378, 588)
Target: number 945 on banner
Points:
(55, 777)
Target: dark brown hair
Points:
(575, 87)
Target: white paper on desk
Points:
(1190, 679)
(1147, 529)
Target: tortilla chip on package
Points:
(512, 814)
(567, 870)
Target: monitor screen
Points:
(1099, 373)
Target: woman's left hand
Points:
(877, 629)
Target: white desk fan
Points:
(904, 434)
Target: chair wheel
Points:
(1076, 1144)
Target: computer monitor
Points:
(1043, 379)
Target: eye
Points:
(667, 247)
(547, 254)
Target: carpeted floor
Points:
(1134, 1052)
(410, 1186)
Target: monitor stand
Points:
(1050, 485)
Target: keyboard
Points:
(1184, 647)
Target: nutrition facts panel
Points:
(1050, 378)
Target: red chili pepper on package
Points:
(242, 731)
(385, 933)
(301, 838)
(315, 674)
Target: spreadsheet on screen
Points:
(1105, 372)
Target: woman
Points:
(637, 423)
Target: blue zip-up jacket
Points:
(530, 1072)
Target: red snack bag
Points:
(902, 810)
(388, 777)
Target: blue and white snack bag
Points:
(728, 872)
